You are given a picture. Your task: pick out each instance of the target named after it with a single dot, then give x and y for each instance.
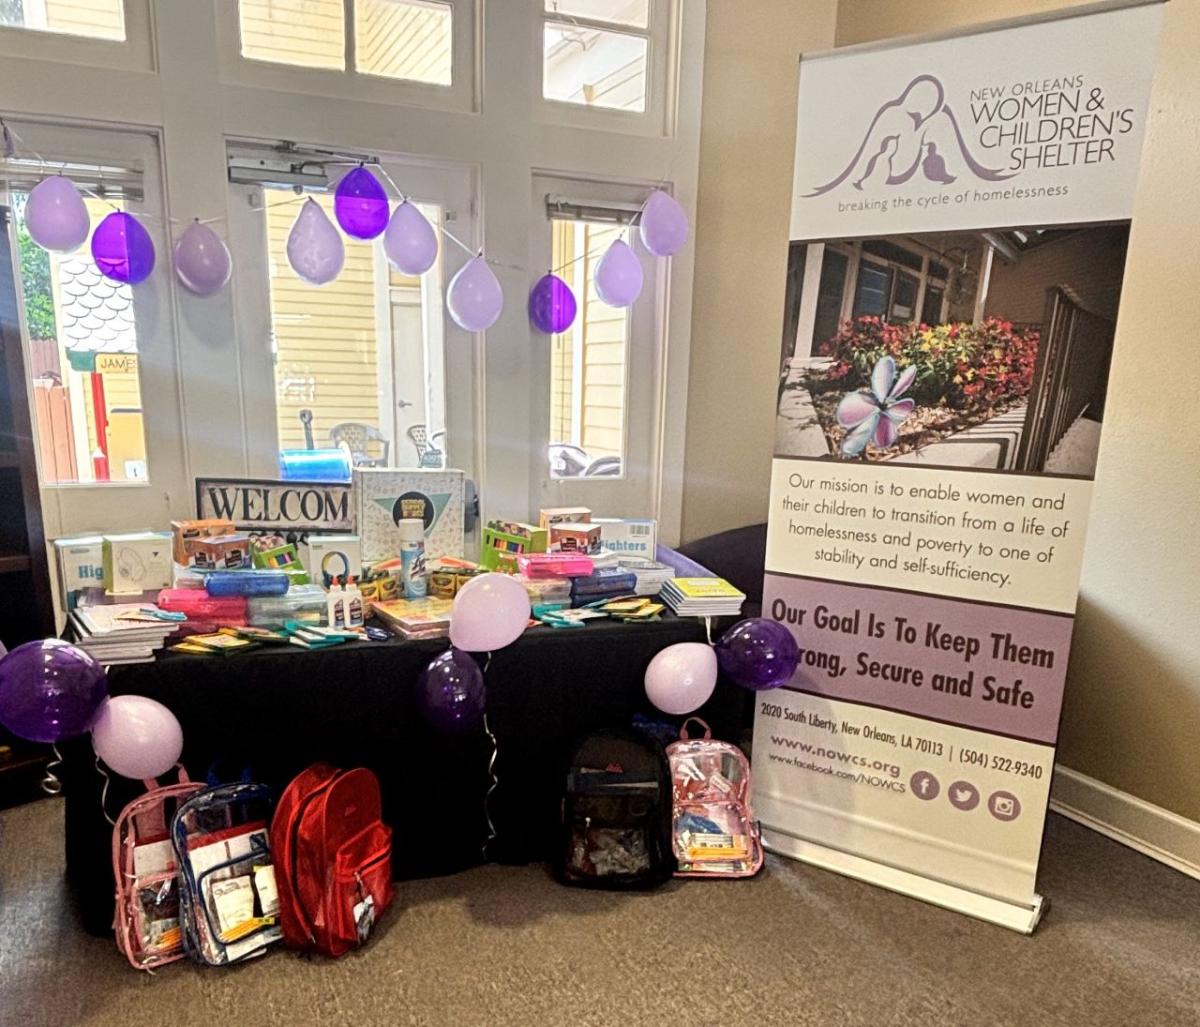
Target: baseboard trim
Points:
(1144, 827)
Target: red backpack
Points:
(333, 859)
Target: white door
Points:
(597, 386)
(370, 359)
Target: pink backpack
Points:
(714, 830)
(146, 921)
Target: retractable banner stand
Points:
(959, 221)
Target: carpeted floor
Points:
(507, 946)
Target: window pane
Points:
(829, 296)
(931, 307)
(307, 33)
(620, 12)
(83, 359)
(904, 297)
(406, 39)
(594, 68)
(587, 362)
(871, 292)
(97, 19)
(361, 355)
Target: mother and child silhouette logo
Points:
(915, 131)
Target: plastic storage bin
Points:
(198, 605)
(304, 603)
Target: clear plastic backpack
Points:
(714, 832)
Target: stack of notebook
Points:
(121, 633)
(702, 597)
(650, 574)
(415, 618)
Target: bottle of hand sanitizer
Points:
(335, 605)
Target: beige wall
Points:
(1132, 717)
(747, 138)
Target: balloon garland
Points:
(58, 220)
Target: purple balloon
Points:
(619, 275)
(202, 261)
(122, 248)
(488, 613)
(409, 241)
(474, 297)
(758, 653)
(551, 305)
(451, 694)
(681, 678)
(137, 737)
(360, 204)
(55, 215)
(663, 224)
(50, 690)
(314, 248)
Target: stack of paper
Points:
(651, 575)
(415, 618)
(121, 633)
(702, 597)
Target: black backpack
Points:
(616, 813)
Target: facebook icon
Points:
(924, 785)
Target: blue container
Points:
(314, 465)
(246, 583)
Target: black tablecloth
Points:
(270, 713)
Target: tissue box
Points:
(629, 536)
(384, 496)
(80, 566)
(137, 562)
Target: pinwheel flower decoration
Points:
(876, 416)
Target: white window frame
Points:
(350, 84)
(662, 66)
(135, 53)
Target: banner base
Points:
(1014, 916)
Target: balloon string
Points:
(104, 792)
(51, 785)
(708, 629)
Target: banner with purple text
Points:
(959, 223)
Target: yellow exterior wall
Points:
(562, 348)
(326, 359)
(309, 33)
(100, 19)
(401, 40)
(604, 340)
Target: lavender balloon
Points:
(122, 248)
(49, 690)
(474, 297)
(360, 204)
(202, 261)
(137, 737)
(450, 692)
(314, 248)
(551, 305)
(663, 225)
(619, 275)
(758, 653)
(681, 678)
(409, 241)
(488, 613)
(55, 215)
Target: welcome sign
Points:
(259, 504)
(959, 222)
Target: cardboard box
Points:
(187, 531)
(331, 556)
(550, 516)
(221, 552)
(504, 541)
(137, 562)
(80, 565)
(384, 496)
(575, 537)
(629, 536)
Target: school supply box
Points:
(383, 497)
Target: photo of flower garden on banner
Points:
(959, 226)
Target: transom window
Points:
(596, 53)
(412, 40)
